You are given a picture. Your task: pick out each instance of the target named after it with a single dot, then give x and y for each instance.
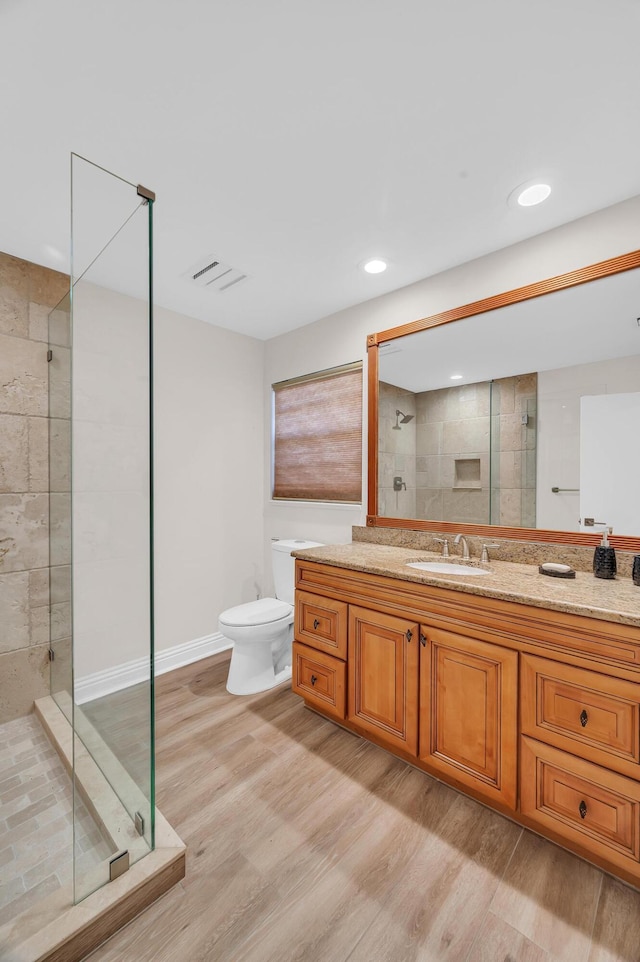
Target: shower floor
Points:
(36, 820)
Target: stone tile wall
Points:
(467, 456)
(452, 478)
(513, 450)
(28, 293)
(396, 452)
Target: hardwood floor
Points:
(308, 844)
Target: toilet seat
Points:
(264, 611)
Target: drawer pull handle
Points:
(314, 680)
(315, 623)
(584, 718)
(409, 634)
(582, 808)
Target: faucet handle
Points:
(445, 546)
(485, 553)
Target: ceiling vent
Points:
(213, 274)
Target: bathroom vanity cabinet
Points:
(532, 710)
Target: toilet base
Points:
(253, 687)
(260, 664)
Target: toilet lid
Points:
(260, 612)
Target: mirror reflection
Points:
(469, 455)
(524, 416)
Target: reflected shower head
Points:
(405, 418)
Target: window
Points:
(317, 436)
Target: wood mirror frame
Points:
(614, 265)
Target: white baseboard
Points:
(134, 672)
(190, 651)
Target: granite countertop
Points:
(616, 600)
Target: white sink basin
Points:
(447, 568)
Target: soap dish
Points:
(554, 570)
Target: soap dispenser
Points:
(604, 558)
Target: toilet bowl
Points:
(262, 630)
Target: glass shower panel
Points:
(111, 572)
(494, 453)
(513, 450)
(60, 505)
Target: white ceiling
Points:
(292, 139)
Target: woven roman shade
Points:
(318, 436)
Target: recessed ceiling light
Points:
(456, 377)
(529, 194)
(533, 195)
(375, 266)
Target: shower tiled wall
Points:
(453, 453)
(513, 450)
(468, 455)
(396, 453)
(477, 452)
(28, 293)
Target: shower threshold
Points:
(55, 928)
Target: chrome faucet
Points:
(460, 539)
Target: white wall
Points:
(558, 452)
(610, 459)
(208, 475)
(325, 344)
(342, 337)
(110, 472)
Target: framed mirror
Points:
(515, 416)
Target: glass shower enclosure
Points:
(101, 522)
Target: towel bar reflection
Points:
(558, 490)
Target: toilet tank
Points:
(284, 565)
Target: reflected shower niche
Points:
(467, 452)
(466, 473)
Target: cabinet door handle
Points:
(582, 808)
(314, 680)
(409, 634)
(423, 640)
(584, 718)
(315, 623)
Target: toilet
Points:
(262, 630)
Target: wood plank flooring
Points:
(307, 844)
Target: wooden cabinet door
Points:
(468, 713)
(383, 677)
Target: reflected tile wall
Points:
(453, 436)
(28, 293)
(461, 457)
(513, 450)
(396, 453)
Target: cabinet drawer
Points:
(595, 716)
(322, 623)
(595, 809)
(320, 679)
